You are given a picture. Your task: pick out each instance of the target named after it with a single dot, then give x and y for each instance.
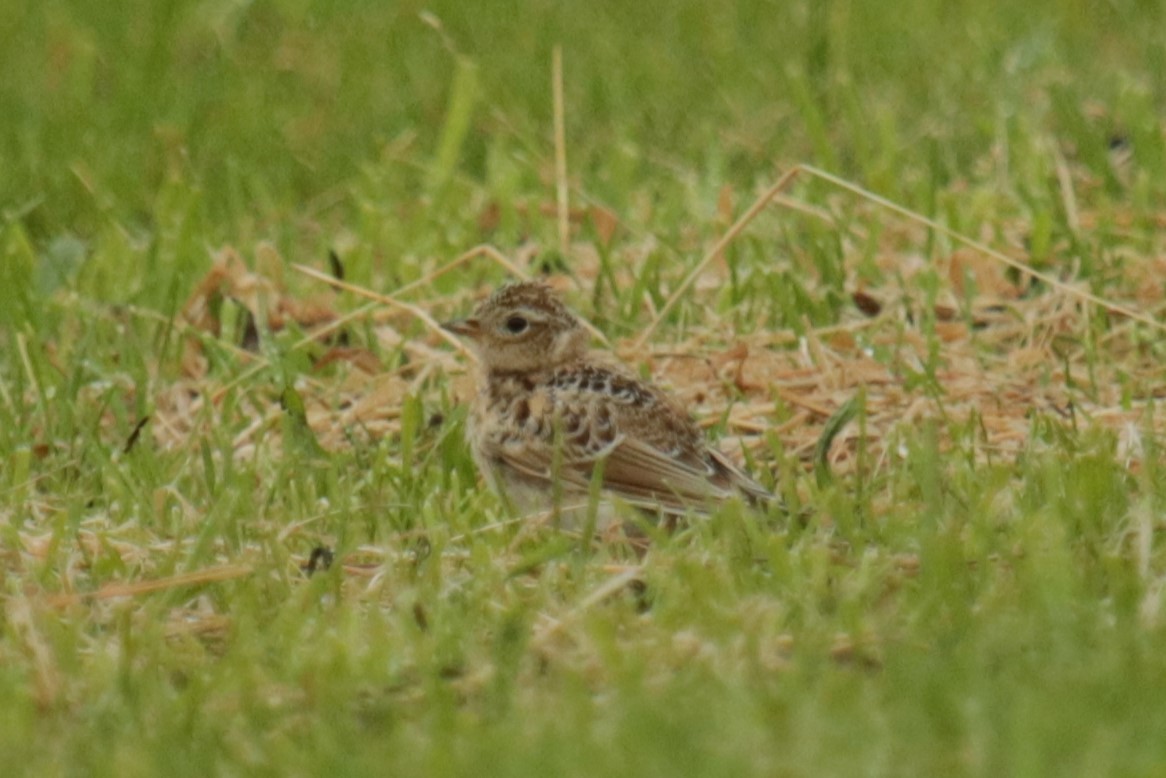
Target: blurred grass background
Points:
(138, 137)
(257, 111)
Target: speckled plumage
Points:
(546, 414)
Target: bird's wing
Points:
(651, 452)
(640, 472)
(634, 470)
(753, 491)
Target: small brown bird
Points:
(547, 416)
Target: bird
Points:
(549, 419)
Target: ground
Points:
(227, 232)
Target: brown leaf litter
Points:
(1008, 353)
(992, 350)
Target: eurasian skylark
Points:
(547, 416)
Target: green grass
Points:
(948, 608)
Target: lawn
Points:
(941, 342)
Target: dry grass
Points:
(963, 412)
(1012, 352)
(1012, 349)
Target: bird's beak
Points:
(467, 328)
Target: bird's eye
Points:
(516, 324)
